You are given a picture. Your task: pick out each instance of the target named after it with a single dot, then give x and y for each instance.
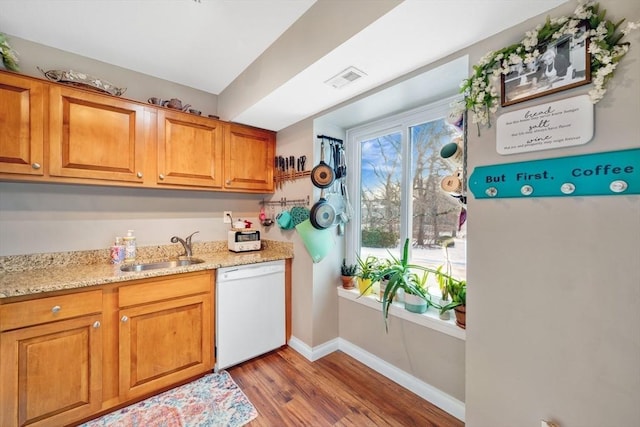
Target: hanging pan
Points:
(322, 174)
(322, 214)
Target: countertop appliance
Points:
(250, 311)
(243, 240)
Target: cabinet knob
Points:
(124, 319)
(228, 182)
(56, 309)
(36, 165)
(139, 174)
(161, 176)
(96, 324)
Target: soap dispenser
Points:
(129, 246)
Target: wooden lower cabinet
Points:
(65, 358)
(168, 341)
(51, 373)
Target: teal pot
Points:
(415, 303)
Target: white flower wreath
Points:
(8, 56)
(605, 47)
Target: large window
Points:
(396, 190)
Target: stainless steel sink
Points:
(182, 262)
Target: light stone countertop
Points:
(33, 274)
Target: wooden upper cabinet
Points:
(95, 136)
(21, 125)
(189, 150)
(249, 154)
(59, 133)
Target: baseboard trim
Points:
(432, 394)
(313, 353)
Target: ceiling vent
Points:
(345, 77)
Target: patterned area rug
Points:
(213, 400)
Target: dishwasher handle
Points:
(250, 270)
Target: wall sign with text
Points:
(546, 126)
(599, 174)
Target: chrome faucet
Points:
(186, 244)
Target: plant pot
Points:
(383, 286)
(364, 286)
(348, 282)
(461, 316)
(415, 303)
(447, 314)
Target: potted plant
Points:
(444, 280)
(404, 276)
(348, 274)
(457, 289)
(366, 272)
(416, 299)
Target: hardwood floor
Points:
(337, 390)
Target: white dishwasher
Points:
(250, 311)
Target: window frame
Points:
(400, 123)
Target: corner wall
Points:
(554, 285)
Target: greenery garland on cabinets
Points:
(605, 47)
(7, 54)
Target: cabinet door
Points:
(51, 374)
(95, 136)
(164, 343)
(249, 154)
(21, 125)
(189, 150)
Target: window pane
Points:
(381, 178)
(435, 216)
(401, 195)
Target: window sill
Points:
(430, 319)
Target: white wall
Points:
(140, 87)
(554, 285)
(41, 218)
(295, 141)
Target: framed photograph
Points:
(563, 64)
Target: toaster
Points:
(244, 240)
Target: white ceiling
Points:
(206, 44)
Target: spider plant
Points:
(402, 275)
